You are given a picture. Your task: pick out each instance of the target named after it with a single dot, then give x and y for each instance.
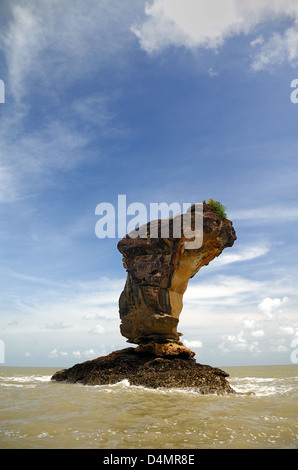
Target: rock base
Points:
(149, 368)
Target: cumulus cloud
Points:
(239, 343)
(193, 343)
(46, 303)
(200, 24)
(267, 332)
(270, 306)
(55, 354)
(278, 49)
(76, 354)
(248, 323)
(287, 330)
(97, 330)
(190, 24)
(89, 353)
(258, 333)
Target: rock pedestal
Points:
(148, 370)
(158, 271)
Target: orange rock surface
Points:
(158, 272)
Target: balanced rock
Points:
(158, 271)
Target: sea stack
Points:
(158, 271)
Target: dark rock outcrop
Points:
(158, 271)
(148, 370)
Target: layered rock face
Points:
(158, 271)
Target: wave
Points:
(250, 386)
(264, 386)
(257, 386)
(23, 381)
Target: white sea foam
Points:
(126, 386)
(258, 386)
(24, 381)
(249, 386)
(122, 383)
(262, 386)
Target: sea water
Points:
(36, 412)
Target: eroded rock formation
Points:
(158, 272)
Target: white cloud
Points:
(63, 309)
(76, 354)
(49, 46)
(191, 24)
(47, 40)
(223, 290)
(287, 330)
(269, 306)
(53, 353)
(23, 41)
(258, 333)
(258, 336)
(97, 330)
(58, 325)
(278, 49)
(248, 323)
(245, 253)
(198, 23)
(267, 214)
(238, 343)
(8, 186)
(281, 348)
(89, 353)
(192, 343)
(93, 316)
(257, 41)
(27, 161)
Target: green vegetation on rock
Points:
(215, 206)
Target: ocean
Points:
(37, 413)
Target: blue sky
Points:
(161, 101)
